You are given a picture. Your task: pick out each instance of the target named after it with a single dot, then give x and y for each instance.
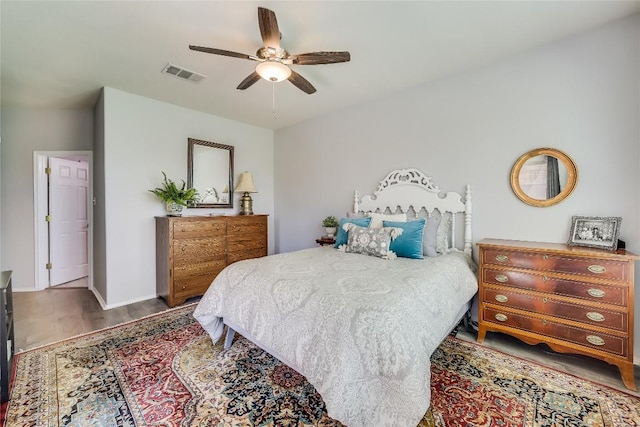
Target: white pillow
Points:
(377, 219)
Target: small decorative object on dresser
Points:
(330, 225)
(595, 232)
(246, 186)
(175, 198)
(574, 299)
(192, 250)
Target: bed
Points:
(360, 328)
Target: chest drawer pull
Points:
(545, 257)
(502, 258)
(595, 316)
(544, 300)
(501, 317)
(596, 293)
(597, 269)
(501, 298)
(502, 278)
(595, 340)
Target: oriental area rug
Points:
(163, 370)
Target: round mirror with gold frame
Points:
(543, 177)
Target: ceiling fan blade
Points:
(250, 80)
(314, 58)
(221, 52)
(301, 83)
(269, 28)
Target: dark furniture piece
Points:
(326, 241)
(7, 342)
(574, 299)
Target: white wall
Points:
(142, 138)
(579, 95)
(23, 132)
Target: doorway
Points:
(63, 212)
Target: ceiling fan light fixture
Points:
(273, 71)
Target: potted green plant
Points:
(330, 224)
(175, 198)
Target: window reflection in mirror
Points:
(210, 172)
(543, 177)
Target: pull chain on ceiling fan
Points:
(274, 60)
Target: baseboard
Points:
(106, 306)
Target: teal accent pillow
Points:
(342, 236)
(409, 243)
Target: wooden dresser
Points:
(192, 250)
(575, 299)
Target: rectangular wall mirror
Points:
(210, 172)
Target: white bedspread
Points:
(361, 329)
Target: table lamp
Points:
(245, 186)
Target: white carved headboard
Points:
(405, 189)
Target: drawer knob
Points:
(544, 321)
(545, 278)
(596, 293)
(502, 278)
(595, 340)
(501, 317)
(595, 316)
(501, 298)
(544, 300)
(502, 258)
(597, 269)
(545, 257)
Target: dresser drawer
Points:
(192, 286)
(539, 282)
(582, 336)
(589, 267)
(185, 270)
(190, 250)
(189, 229)
(244, 242)
(247, 254)
(249, 225)
(538, 303)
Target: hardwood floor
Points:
(56, 314)
(575, 364)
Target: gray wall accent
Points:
(579, 95)
(99, 209)
(142, 138)
(23, 132)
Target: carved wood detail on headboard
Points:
(406, 189)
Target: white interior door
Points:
(69, 225)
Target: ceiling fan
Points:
(274, 60)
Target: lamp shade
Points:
(245, 183)
(273, 71)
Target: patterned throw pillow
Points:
(370, 241)
(342, 236)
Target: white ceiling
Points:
(58, 54)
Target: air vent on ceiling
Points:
(183, 73)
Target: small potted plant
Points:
(330, 224)
(175, 198)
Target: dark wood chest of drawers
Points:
(191, 251)
(574, 299)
